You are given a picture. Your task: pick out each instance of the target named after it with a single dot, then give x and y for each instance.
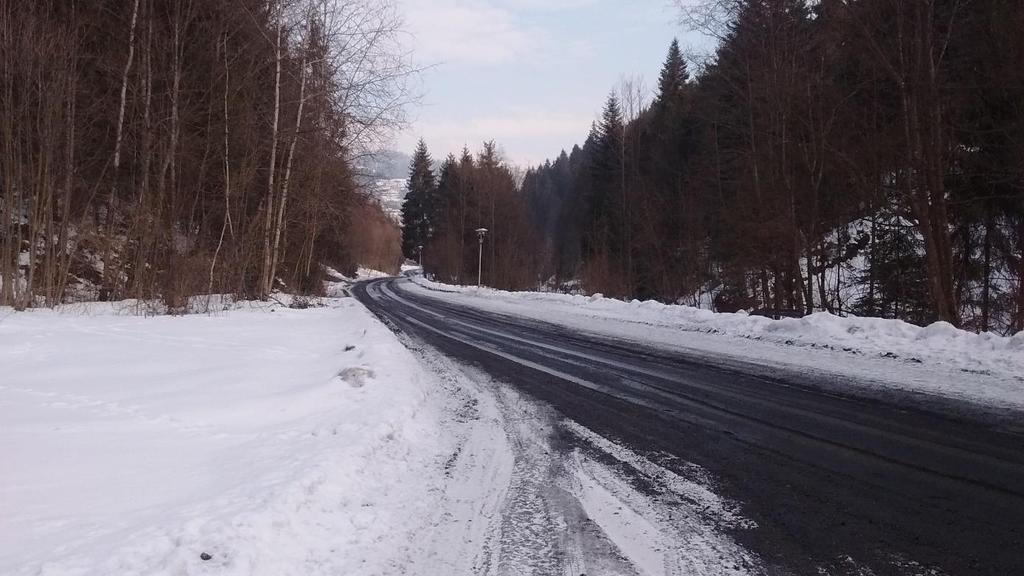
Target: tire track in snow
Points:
(507, 509)
(674, 525)
(522, 501)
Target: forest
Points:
(160, 149)
(852, 156)
(442, 212)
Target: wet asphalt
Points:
(837, 483)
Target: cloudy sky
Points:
(530, 74)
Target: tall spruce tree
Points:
(605, 226)
(419, 207)
(607, 174)
(673, 77)
(670, 268)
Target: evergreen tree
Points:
(674, 76)
(897, 273)
(419, 208)
(489, 158)
(445, 248)
(746, 180)
(611, 126)
(446, 194)
(672, 227)
(603, 193)
(606, 173)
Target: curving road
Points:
(845, 484)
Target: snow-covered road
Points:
(836, 466)
(887, 357)
(531, 492)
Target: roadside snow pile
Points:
(258, 441)
(369, 274)
(941, 344)
(338, 284)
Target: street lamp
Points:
(420, 250)
(480, 234)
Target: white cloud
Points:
(547, 5)
(529, 74)
(467, 32)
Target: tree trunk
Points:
(143, 218)
(108, 268)
(226, 223)
(267, 279)
(1019, 324)
(986, 286)
(279, 224)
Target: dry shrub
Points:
(374, 238)
(599, 275)
(187, 276)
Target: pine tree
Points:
(605, 225)
(419, 207)
(897, 268)
(610, 128)
(811, 117)
(674, 76)
(605, 173)
(489, 157)
(670, 267)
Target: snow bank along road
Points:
(835, 483)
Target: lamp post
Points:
(420, 250)
(480, 234)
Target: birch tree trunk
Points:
(108, 268)
(279, 224)
(170, 292)
(226, 225)
(267, 278)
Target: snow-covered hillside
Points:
(390, 193)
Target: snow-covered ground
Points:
(264, 440)
(391, 193)
(937, 360)
(369, 273)
(275, 441)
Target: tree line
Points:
(162, 149)
(442, 212)
(854, 156)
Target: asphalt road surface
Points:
(845, 483)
